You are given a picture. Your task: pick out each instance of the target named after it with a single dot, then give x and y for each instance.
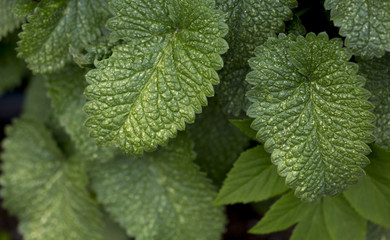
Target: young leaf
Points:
(217, 142)
(8, 21)
(45, 189)
(365, 24)
(311, 112)
(160, 195)
(154, 83)
(245, 127)
(252, 179)
(251, 22)
(377, 72)
(371, 196)
(54, 26)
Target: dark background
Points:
(241, 217)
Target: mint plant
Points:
(143, 118)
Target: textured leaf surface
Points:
(65, 88)
(312, 113)
(152, 85)
(54, 26)
(8, 21)
(45, 189)
(250, 22)
(371, 196)
(253, 178)
(377, 73)
(364, 23)
(161, 195)
(217, 142)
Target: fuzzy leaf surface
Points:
(377, 73)
(371, 196)
(250, 23)
(8, 21)
(54, 26)
(253, 178)
(160, 77)
(160, 195)
(45, 189)
(311, 112)
(365, 24)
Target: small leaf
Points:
(46, 190)
(54, 26)
(8, 21)
(371, 196)
(245, 127)
(368, 34)
(312, 113)
(160, 77)
(160, 195)
(252, 179)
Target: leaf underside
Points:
(160, 77)
(311, 112)
(54, 26)
(250, 23)
(160, 195)
(365, 24)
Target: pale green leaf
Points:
(217, 142)
(377, 73)
(160, 195)
(253, 178)
(54, 25)
(284, 213)
(365, 24)
(371, 196)
(376, 232)
(250, 22)
(311, 111)
(160, 78)
(8, 21)
(44, 188)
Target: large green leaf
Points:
(54, 26)
(377, 72)
(154, 83)
(217, 142)
(160, 195)
(251, 22)
(311, 111)
(371, 197)
(365, 24)
(8, 21)
(44, 188)
(253, 178)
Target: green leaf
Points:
(252, 179)
(217, 142)
(45, 189)
(371, 196)
(295, 26)
(364, 24)
(377, 73)
(245, 127)
(8, 21)
(376, 232)
(65, 88)
(160, 78)
(311, 112)
(54, 26)
(284, 213)
(23, 8)
(251, 22)
(160, 195)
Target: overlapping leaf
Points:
(312, 113)
(160, 195)
(45, 189)
(154, 83)
(54, 26)
(377, 73)
(364, 23)
(251, 22)
(8, 21)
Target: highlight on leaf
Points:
(312, 113)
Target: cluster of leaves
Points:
(115, 80)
